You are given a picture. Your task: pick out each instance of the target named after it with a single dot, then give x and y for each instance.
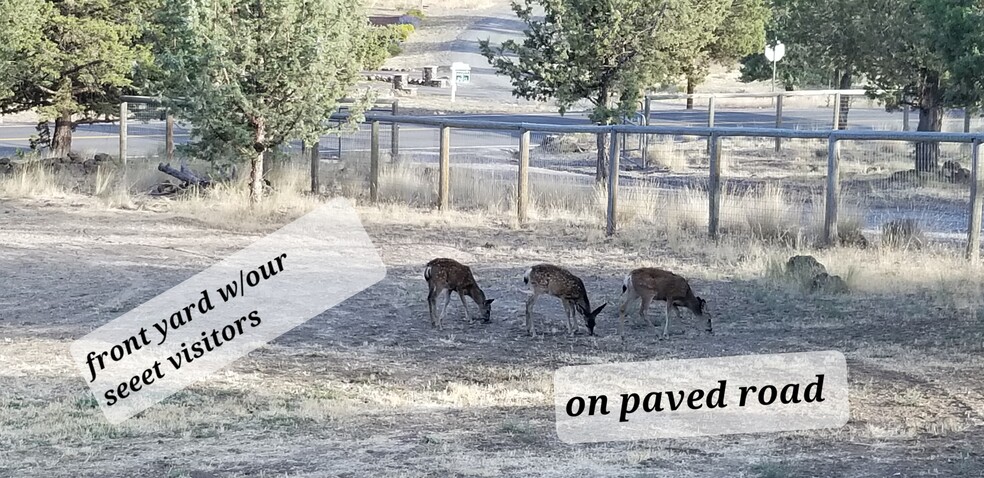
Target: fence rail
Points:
(519, 132)
(720, 165)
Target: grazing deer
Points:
(650, 284)
(448, 274)
(558, 282)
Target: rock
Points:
(950, 166)
(903, 233)
(830, 284)
(90, 166)
(74, 157)
(558, 143)
(4, 161)
(804, 266)
(102, 158)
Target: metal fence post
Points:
(833, 191)
(444, 188)
(976, 202)
(522, 190)
(374, 162)
(612, 184)
(710, 119)
(714, 187)
(905, 117)
(395, 134)
(124, 112)
(837, 111)
(779, 121)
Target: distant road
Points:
(147, 139)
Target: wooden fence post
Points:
(833, 191)
(646, 111)
(612, 183)
(124, 112)
(779, 121)
(374, 162)
(522, 190)
(837, 111)
(315, 166)
(395, 134)
(169, 137)
(444, 188)
(976, 202)
(710, 119)
(905, 117)
(714, 187)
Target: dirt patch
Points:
(369, 388)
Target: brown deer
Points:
(450, 275)
(552, 280)
(650, 284)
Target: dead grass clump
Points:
(903, 234)
(666, 155)
(33, 179)
(766, 213)
(227, 205)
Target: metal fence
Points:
(835, 186)
(788, 181)
(808, 109)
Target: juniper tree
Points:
(740, 31)
(250, 75)
(69, 60)
(926, 54)
(606, 53)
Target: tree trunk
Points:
(61, 140)
(601, 170)
(930, 119)
(846, 80)
(256, 166)
(691, 87)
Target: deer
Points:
(449, 275)
(648, 284)
(561, 283)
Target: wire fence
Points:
(795, 184)
(856, 188)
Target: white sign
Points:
(775, 53)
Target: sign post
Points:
(774, 54)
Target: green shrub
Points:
(416, 12)
(382, 43)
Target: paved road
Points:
(147, 139)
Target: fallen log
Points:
(185, 175)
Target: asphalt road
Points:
(147, 139)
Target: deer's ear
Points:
(489, 302)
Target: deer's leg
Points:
(464, 305)
(431, 303)
(666, 321)
(628, 297)
(644, 307)
(569, 313)
(529, 313)
(444, 309)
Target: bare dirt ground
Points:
(370, 389)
